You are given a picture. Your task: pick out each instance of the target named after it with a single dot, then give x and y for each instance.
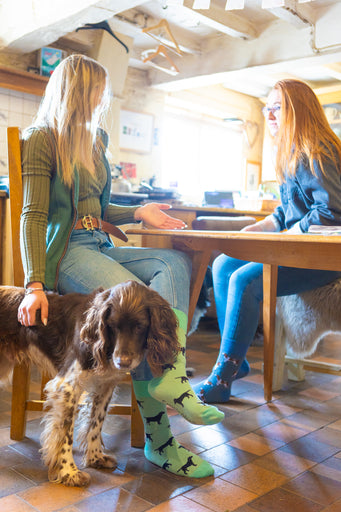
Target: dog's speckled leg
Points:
(63, 394)
(92, 415)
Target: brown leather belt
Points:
(90, 223)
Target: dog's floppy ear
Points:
(94, 331)
(162, 342)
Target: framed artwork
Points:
(252, 175)
(136, 131)
(333, 114)
(49, 60)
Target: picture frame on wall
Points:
(136, 131)
(49, 58)
(252, 175)
(333, 115)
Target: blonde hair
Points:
(76, 98)
(304, 131)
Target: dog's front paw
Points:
(75, 479)
(101, 460)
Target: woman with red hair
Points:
(308, 159)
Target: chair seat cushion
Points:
(216, 223)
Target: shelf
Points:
(22, 81)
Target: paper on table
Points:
(324, 230)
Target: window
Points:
(200, 154)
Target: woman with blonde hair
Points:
(65, 246)
(308, 159)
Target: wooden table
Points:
(189, 213)
(271, 249)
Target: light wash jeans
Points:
(92, 261)
(238, 291)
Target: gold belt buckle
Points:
(87, 223)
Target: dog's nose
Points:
(123, 361)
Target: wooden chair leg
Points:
(279, 359)
(44, 380)
(137, 427)
(296, 371)
(269, 321)
(20, 392)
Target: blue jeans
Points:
(92, 261)
(238, 291)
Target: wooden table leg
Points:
(269, 320)
(200, 260)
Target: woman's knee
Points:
(248, 281)
(223, 266)
(219, 264)
(179, 263)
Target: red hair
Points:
(304, 130)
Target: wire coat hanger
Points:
(149, 55)
(104, 25)
(163, 24)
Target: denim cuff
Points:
(142, 372)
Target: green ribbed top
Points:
(39, 174)
(90, 190)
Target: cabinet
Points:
(22, 81)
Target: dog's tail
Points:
(6, 371)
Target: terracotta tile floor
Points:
(277, 457)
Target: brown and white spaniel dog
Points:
(89, 342)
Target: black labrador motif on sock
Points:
(166, 465)
(184, 447)
(187, 465)
(183, 379)
(169, 442)
(155, 419)
(149, 437)
(168, 367)
(181, 398)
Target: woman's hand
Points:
(30, 305)
(266, 224)
(153, 214)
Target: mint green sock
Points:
(173, 387)
(161, 447)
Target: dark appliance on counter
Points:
(145, 193)
(127, 198)
(219, 198)
(158, 193)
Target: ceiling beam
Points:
(133, 29)
(299, 15)
(225, 55)
(46, 22)
(223, 21)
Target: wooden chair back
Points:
(15, 198)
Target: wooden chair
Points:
(21, 376)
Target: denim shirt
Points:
(308, 199)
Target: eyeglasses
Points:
(274, 110)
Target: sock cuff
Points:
(182, 318)
(141, 388)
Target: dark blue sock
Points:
(217, 387)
